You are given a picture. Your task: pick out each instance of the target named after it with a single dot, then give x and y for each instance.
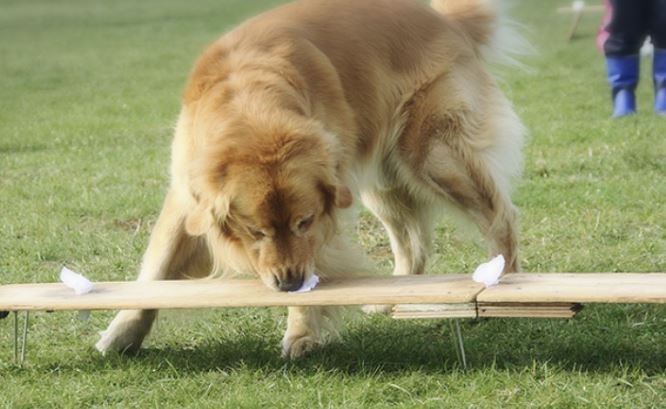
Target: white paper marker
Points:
(75, 281)
(308, 284)
(578, 5)
(489, 273)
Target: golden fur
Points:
(293, 114)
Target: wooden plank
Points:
(574, 26)
(577, 15)
(486, 310)
(211, 293)
(597, 8)
(413, 311)
(516, 295)
(435, 315)
(618, 288)
(528, 310)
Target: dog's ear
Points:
(203, 215)
(343, 197)
(199, 220)
(337, 195)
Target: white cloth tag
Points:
(489, 273)
(308, 285)
(75, 281)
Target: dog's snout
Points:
(290, 281)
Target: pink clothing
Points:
(602, 34)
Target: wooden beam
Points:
(597, 8)
(414, 311)
(574, 26)
(613, 288)
(211, 293)
(577, 14)
(442, 296)
(528, 310)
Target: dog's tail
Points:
(495, 37)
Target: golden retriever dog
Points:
(295, 114)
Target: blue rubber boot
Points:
(623, 77)
(659, 75)
(624, 102)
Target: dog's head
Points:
(272, 195)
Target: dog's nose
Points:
(291, 282)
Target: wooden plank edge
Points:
(528, 310)
(420, 311)
(434, 315)
(596, 8)
(333, 292)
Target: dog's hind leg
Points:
(171, 254)
(409, 225)
(460, 176)
(462, 142)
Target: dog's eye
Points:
(256, 233)
(305, 223)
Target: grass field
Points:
(89, 91)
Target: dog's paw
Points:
(125, 333)
(385, 309)
(297, 347)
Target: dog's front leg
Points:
(312, 327)
(127, 331)
(303, 332)
(309, 328)
(169, 253)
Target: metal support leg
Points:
(19, 356)
(574, 24)
(458, 343)
(25, 337)
(461, 344)
(16, 348)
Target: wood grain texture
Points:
(517, 295)
(416, 311)
(597, 8)
(612, 288)
(528, 310)
(442, 289)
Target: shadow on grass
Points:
(18, 148)
(379, 345)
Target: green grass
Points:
(89, 91)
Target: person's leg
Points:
(658, 34)
(627, 31)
